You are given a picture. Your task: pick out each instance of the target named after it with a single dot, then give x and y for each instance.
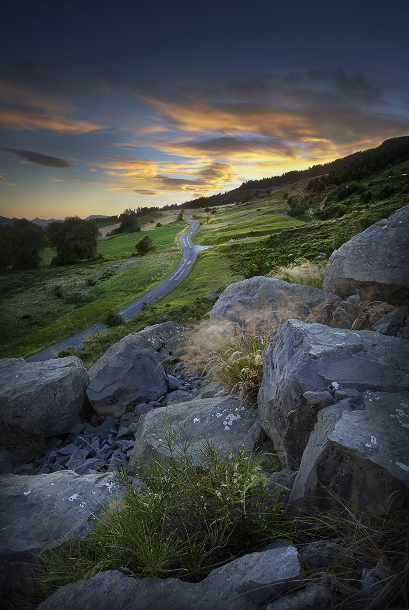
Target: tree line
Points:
(73, 240)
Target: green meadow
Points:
(49, 304)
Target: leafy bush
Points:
(113, 319)
(144, 245)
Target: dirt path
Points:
(106, 230)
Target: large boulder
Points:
(224, 421)
(359, 456)
(125, 376)
(243, 584)
(37, 510)
(374, 262)
(262, 300)
(310, 366)
(42, 398)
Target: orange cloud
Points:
(31, 119)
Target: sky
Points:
(107, 106)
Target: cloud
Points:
(39, 158)
(146, 192)
(23, 118)
(276, 117)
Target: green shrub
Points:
(57, 291)
(113, 319)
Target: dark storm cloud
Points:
(34, 157)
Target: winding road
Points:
(190, 253)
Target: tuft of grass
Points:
(181, 518)
(228, 354)
(302, 272)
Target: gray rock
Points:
(374, 262)
(357, 456)
(36, 510)
(261, 300)
(162, 338)
(225, 421)
(113, 590)
(77, 459)
(271, 576)
(178, 396)
(173, 382)
(42, 398)
(126, 375)
(90, 466)
(375, 579)
(212, 389)
(316, 596)
(280, 484)
(304, 358)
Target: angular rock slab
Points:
(162, 338)
(374, 262)
(360, 456)
(36, 510)
(310, 366)
(262, 300)
(270, 572)
(125, 376)
(225, 421)
(42, 398)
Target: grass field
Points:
(46, 305)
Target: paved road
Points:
(190, 253)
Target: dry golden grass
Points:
(302, 272)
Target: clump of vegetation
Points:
(184, 517)
(145, 245)
(228, 354)
(128, 223)
(302, 272)
(20, 245)
(113, 319)
(74, 240)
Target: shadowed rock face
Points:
(358, 455)
(311, 366)
(42, 398)
(374, 262)
(125, 376)
(38, 510)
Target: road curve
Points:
(128, 312)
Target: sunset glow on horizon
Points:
(96, 118)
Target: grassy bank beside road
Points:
(47, 305)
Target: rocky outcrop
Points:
(311, 366)
(357, 455)
(42, 398)
(126, 375)
(163, 338)
(268, 301)
(374, 262)
(225, 421)
(243, 584)
(36, 511)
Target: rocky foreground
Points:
(334, 401)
